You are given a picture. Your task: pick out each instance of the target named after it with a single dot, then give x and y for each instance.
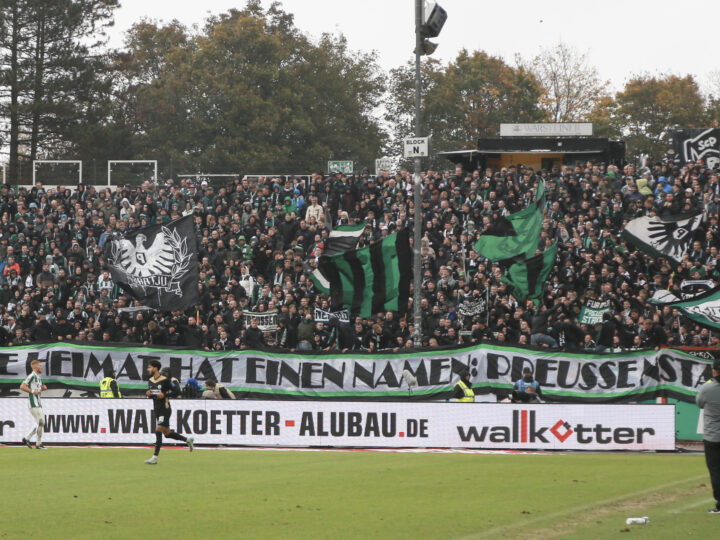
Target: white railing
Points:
(37, 162)
(131, 161)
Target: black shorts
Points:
(162, 417)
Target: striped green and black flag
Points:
(371, 279)
(344, 238)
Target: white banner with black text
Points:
(352, 424)
(72, 370)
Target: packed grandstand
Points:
(259, 238)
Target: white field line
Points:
(691, 505)
(306, 449)
(583, 508)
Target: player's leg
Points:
(163, 423)
(187, 440)
(27, 439)
(158, 443)
(712, 458)
(39, 417)
(170, 434)
(175, 435)
(40, 430)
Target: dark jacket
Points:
(607, 332)
(193, 336)
(254, 338)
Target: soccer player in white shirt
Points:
(33, 386)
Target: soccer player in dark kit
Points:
(160, 390)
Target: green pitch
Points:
(111, 493)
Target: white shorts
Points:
(37, 413)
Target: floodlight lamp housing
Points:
(434, 21)
(427, 48)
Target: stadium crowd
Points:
(260, 238)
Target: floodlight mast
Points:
(425, 26)
(417, 225)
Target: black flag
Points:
(157, 265)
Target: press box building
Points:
(540, 146)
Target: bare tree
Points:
(711, 85)
(572, 85)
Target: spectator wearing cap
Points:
(526, 389)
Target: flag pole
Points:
(487, 305)
(417, 237)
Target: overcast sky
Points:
(622, 37)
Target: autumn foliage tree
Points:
(467, 99)
(249, 92)
(649, 106)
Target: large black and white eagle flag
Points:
(157, 265)
(664, 237)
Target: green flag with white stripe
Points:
(344, 238)
(703, 308)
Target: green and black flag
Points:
(703, 308)
(368, 280)
(528, 276)
(344, 238)
(516, 234)
(669, 237)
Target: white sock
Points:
(30, 435)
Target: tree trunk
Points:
(14, 96)
(38, 90)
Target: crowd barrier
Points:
(352, 424)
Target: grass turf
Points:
(111, 493)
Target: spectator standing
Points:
(708, 399)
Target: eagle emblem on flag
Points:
(160, 265)
(664, 236)
(672, 237)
